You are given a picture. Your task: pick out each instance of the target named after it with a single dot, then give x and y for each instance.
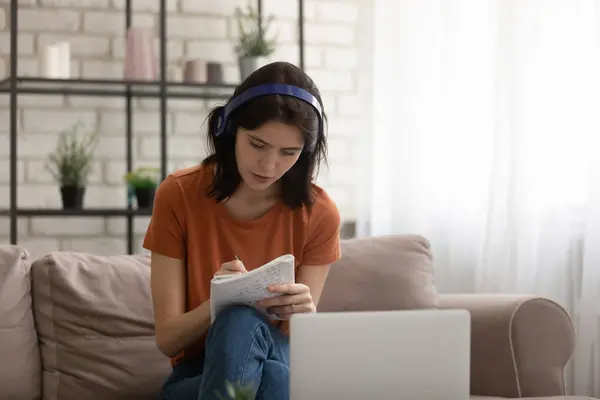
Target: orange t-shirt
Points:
(187, 224)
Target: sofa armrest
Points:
(520, 344)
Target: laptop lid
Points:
(408, 355)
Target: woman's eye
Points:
(288, 153)
(257, 145)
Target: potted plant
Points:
(253, 46)
(71, 164)
(237, 392)
(143, 183)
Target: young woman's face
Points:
(265, 154)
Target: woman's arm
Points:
(322, 248)
(314, 277)
(175, 329)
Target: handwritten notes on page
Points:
(250, 287)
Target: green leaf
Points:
(237, 392)
(143, 178)
(252, 34)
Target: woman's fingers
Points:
(285, 300)
(285, 312)
(289, 288)
(227, 273)
(233, 266)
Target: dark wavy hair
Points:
(296, 183)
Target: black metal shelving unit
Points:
(161, 89)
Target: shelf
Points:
(86, 212)
(116, 88)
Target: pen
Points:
(237, 258)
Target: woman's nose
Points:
(269, 160)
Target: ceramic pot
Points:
(194, 71)
(145, 197)
(214, 73)
(250, 64)
(72, 197)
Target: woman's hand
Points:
(294, 298)
(231, 267)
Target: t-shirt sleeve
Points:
(166, 231)
(323, 239)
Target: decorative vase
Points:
(145, 197)
(250, 64)
(214, 73)
(72, 197)
(194, 71)
(141, 63)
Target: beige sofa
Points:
(80, 326)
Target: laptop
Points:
(381, 355)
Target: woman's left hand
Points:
(294, 298)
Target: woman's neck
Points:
(248, 196)
(247, 204)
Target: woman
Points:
(252, 199)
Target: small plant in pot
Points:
(143, 183)
(253, 46)
(236, 392)
(71, 164)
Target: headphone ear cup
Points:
(227, 128)
(218, 124)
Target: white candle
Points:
(55, 61)
(64, 56)
(50, 62)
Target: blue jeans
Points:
(241, 347)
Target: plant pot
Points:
(145, 197)
(72, 197)
(250, 64)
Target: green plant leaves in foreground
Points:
(237, 392)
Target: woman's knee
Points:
(238, 317)
(234, 330)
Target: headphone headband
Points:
(263, 90)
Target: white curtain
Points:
(486, 140)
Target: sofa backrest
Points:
(20, 369)
(392, 272)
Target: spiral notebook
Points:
(250, 287)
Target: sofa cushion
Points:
(381, 273)
(20, 370)
(96, 327)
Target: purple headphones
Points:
(222, 122)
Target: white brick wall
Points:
(197, 29)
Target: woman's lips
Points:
(261, 178)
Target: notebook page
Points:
(250, 287)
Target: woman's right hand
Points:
(231, 267)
